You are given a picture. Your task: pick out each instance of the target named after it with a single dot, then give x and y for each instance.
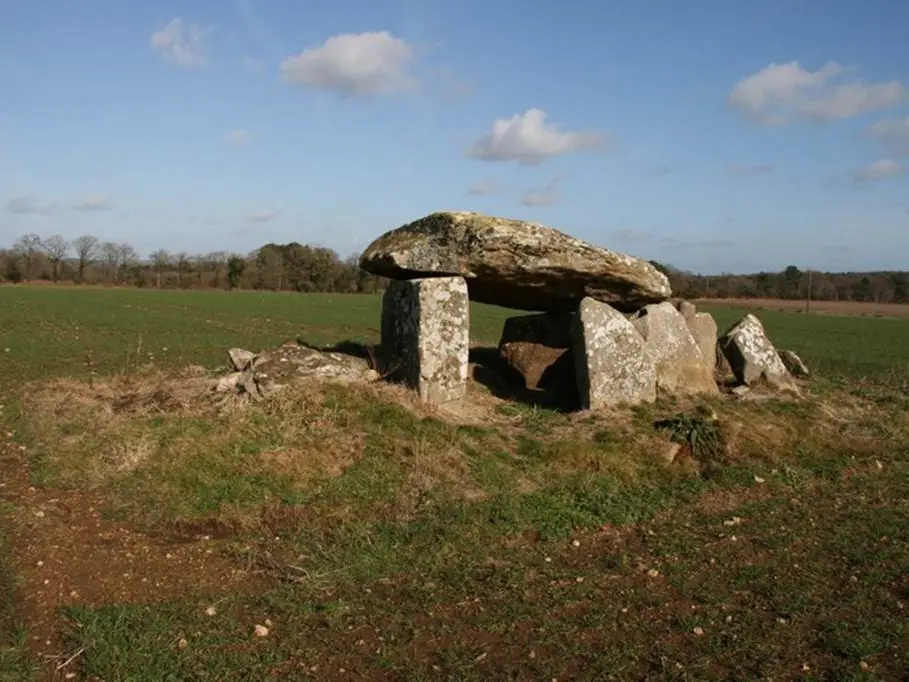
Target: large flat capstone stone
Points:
(515, 264)
(426, 336)
(612, 364)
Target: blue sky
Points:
(716, 135)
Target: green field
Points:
(377, 540)
(62, 331)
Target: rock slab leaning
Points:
(426, 336)
(515, 264)
(611, 363)
(752, 356)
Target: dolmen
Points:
(605, 314)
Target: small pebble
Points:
(261, 631)
(699, 631)
(182, 644)
(575, 543)
(653, 573)
(758, 479)
(211, 611)
(39, 514)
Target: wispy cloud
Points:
(93, 202)
(182, 44)
(547, 195)
(879, 170)
(262, 216)
(239, 137)
(30, 205)
(486, 187)
(749, 169)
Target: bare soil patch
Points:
(854, 308)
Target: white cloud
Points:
(93, 202)
(879, 170)
(894, 132)
(547, 195)
(749, 169)
(781, 93)
(182, 44)
(239, 137)
(353, 64)
(262, 216)
(528, 139)
(485, 187)
(29, 204)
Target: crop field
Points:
(151, 531)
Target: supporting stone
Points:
(611, 364)
(426, 336)
(704, 330)
(680, 365)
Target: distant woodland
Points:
(302, 268)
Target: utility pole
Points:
(808, 301)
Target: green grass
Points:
(68, 331)
(401, 546)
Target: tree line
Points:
(793, 283)
(273, 267)
(302, 268)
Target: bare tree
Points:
(28, 246)
(56, 248)
(86, 248)
(161, 259)
(110, 254)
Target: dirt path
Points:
(65, 553)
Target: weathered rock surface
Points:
(704, 330)
(680, 366)
(426, 336)
(289, 364)
(515, 264)
(688, 310)
(537, 347)
(752, 357)
(611, 362)
(793, 363)
(240, 358)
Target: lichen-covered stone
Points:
(752, 357)
(291, 363)
(704, 330)
(426, 336)
(680, 365)
(515, 264)
(611, 364)
(794, 363)
(533, 347)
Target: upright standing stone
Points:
(704, 330)
(680, 365)
(426, 336)
(611, 363)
